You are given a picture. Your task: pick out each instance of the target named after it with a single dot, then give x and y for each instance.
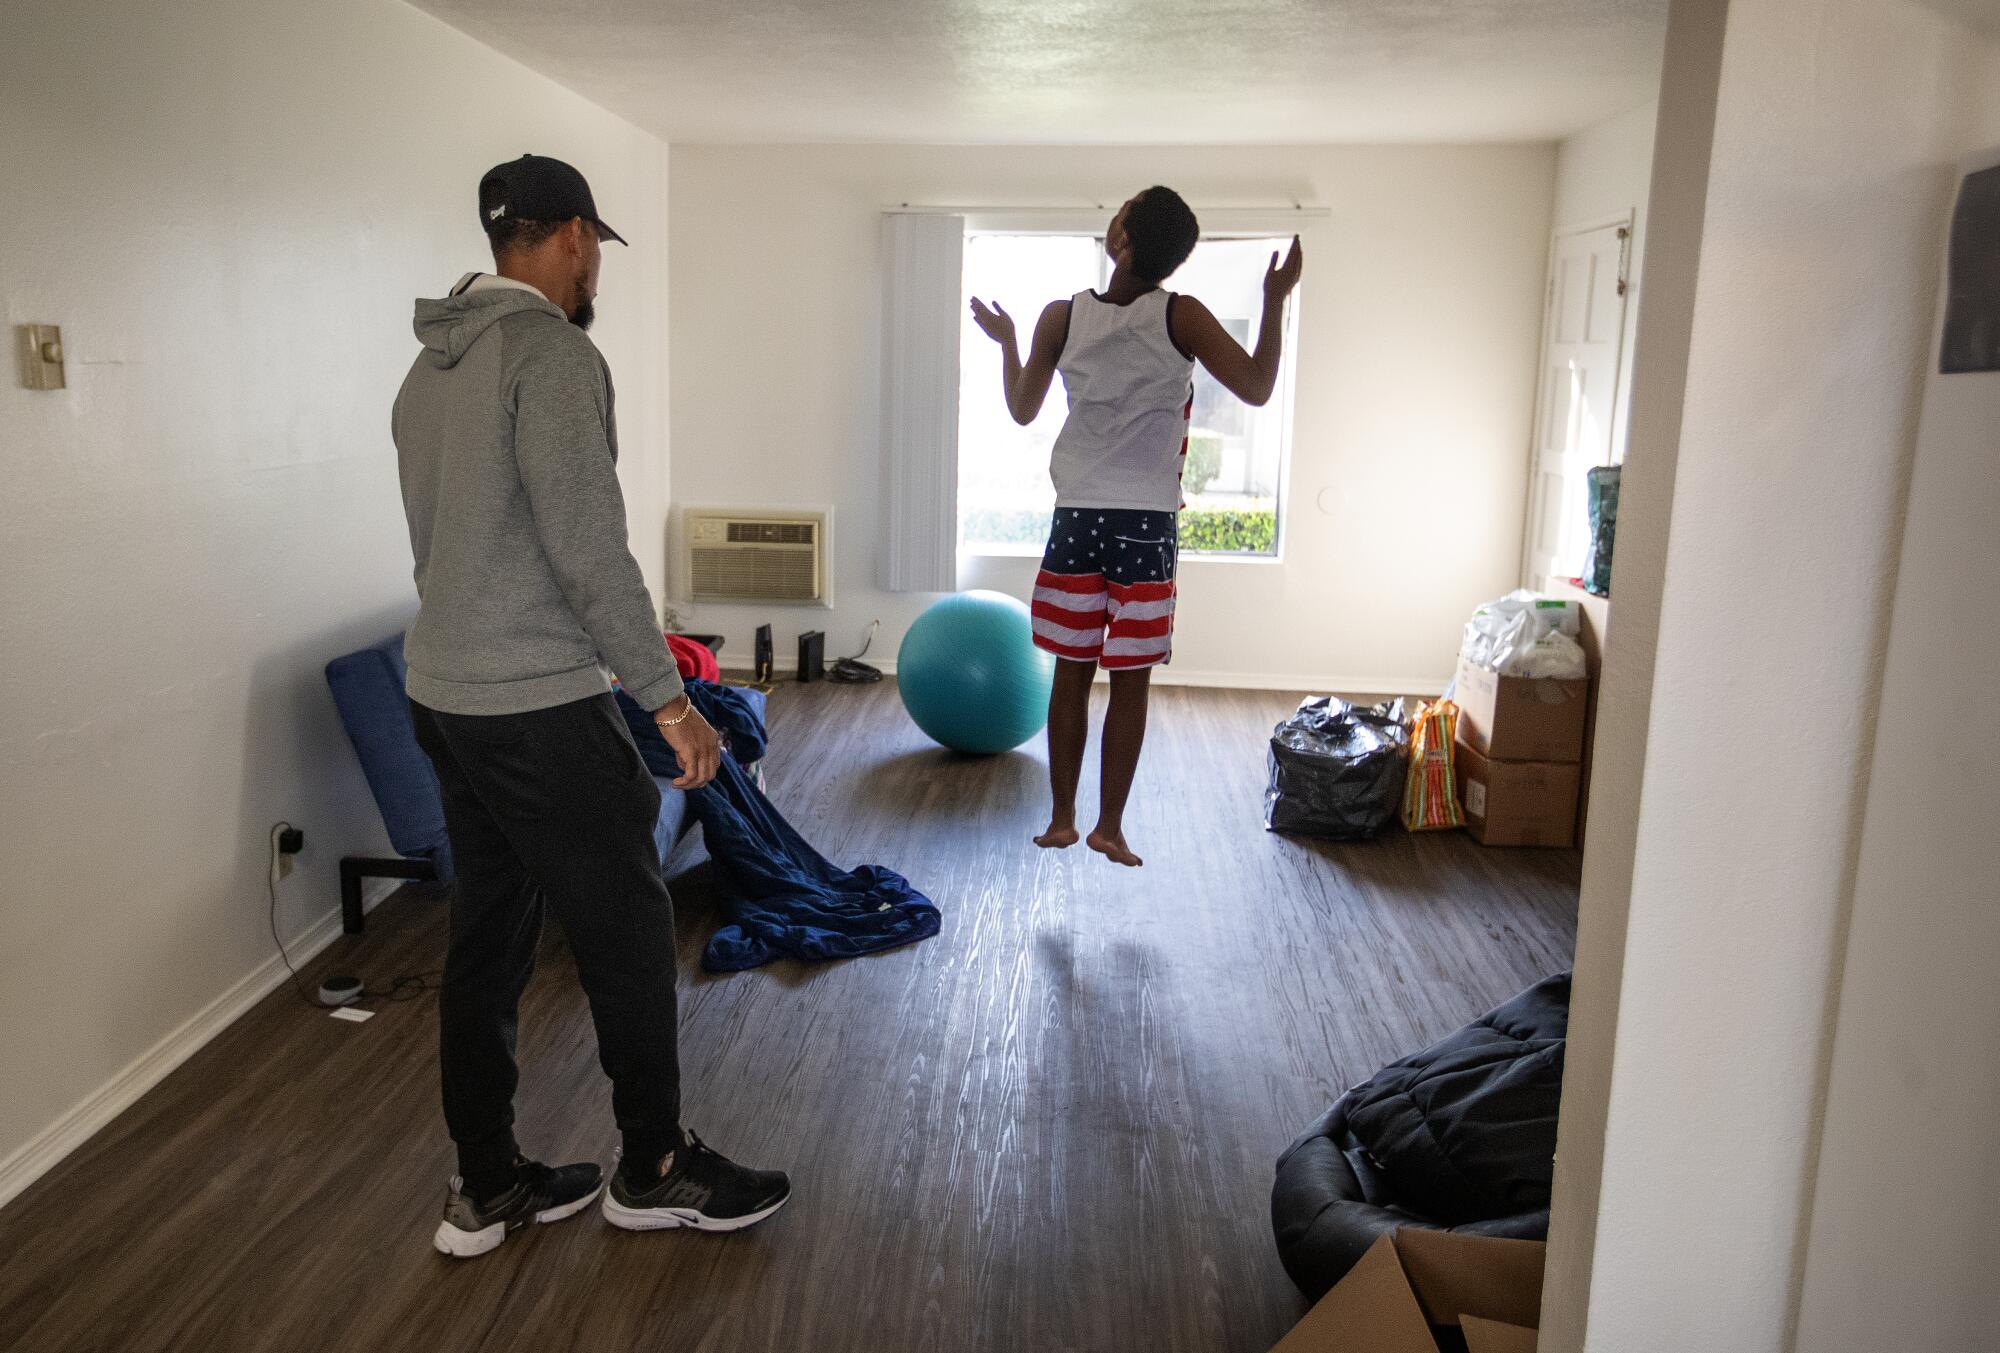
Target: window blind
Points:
(924, 255)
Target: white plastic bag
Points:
(1526, 634)
(1555, 655)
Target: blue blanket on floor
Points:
(785, 899)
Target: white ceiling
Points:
(1088, 71)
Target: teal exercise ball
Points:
(971, 676)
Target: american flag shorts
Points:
(1106, 590)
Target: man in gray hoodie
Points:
(507, 449)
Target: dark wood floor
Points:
(1051, 1128)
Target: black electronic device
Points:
(764, 658)
(812, 655)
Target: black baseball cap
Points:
(537, 188)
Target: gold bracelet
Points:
(658, 722)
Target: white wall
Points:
(1418, 334)
(1707, 988)
(228, 206)
(1604, 172)
(1903, 1249)
(1678, 198)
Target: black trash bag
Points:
(1602, 498)
(1337, 770)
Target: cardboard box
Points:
(1596, 624)
(1520, 718)
(1487, 1289)
(1517, 803)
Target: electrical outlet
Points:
(41, 352)
(286, 842)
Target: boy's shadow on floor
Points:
(935, 783)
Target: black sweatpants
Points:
(552, 808)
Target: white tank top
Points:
(1130, 394)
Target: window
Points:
(1236, 454)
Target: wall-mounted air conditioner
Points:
(757, 555)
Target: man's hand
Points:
(695, 744)
(1279, 279)
(994, 322)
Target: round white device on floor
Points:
(340, 991)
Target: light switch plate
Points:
(41, 356)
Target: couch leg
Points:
(354, 868)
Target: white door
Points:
(1582, 334)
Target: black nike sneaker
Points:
(541, 1194)
(702, 1188)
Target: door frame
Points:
(1626, 222)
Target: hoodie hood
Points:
(449, 327)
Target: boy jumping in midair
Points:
(1105, 594)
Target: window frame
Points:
(1069, 224)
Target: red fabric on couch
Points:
(694, 660)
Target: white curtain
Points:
(925, 256)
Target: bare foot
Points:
(1111, 845)
(1057, 837)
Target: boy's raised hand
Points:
(993, 321)
(1279, 279)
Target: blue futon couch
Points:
(368, 689)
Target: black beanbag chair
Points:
(1460, 1137)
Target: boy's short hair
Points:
(1162, 231)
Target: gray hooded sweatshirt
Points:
(508, 457)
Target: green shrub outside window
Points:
(1204, 530)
